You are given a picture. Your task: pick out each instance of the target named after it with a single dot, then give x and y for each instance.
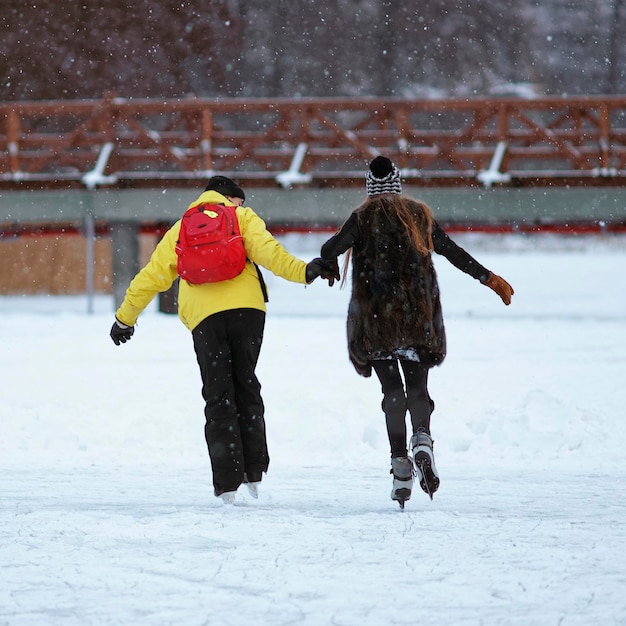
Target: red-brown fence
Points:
(315, 142)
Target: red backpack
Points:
(210, 246)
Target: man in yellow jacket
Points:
(227, 320)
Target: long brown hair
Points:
(415, 216)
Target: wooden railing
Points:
(312, 142)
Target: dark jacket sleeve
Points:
(343, 240)
(457, 256)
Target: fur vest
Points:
(395, 307)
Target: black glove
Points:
(120, 333)
(329, 270)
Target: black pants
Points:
(227, 346)
(396, 400)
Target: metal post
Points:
(90, 237)
(91, 180)
(124, 256)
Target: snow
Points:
(108, 516)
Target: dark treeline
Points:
(292, 48)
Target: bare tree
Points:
(148, 48)
(226, 48)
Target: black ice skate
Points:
(422, 446)
(402, 470)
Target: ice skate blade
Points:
(401, 496)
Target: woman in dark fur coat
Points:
(395, 324)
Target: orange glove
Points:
(501, 287)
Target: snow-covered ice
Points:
(107, 514)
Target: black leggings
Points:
(227, 346)
(396, 400)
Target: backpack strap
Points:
(256, 267)
(231, 212)
(262, 281)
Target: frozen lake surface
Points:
(107, 514)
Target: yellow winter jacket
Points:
(197, 302)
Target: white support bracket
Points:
(493, 174)
(293, 175)
(96, 177)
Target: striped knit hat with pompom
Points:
(383, 177)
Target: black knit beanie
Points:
(382, 177)
(225, 186)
